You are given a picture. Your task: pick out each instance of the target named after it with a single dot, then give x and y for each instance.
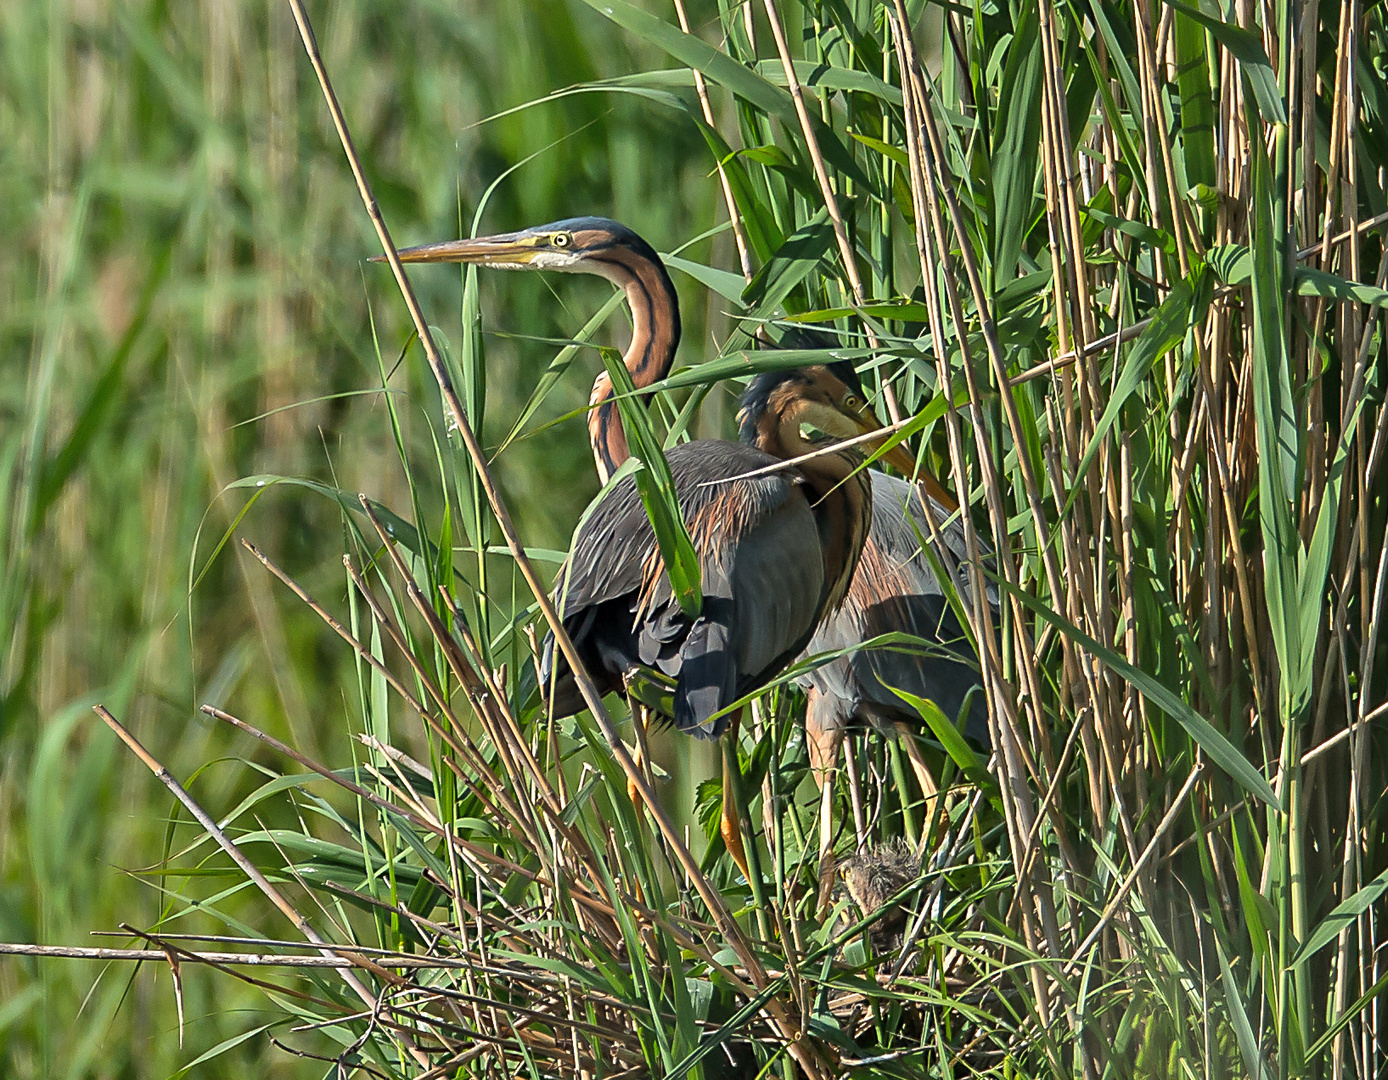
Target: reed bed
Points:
(1119, 269)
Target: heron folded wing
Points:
(660, 632)
(617, 596)
(898, 540)
(708, 674)
(614, 552)
(942, 670)
(763, 592)
(895, 590)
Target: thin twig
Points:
(356, 960)
(73, 952)
(829, 448)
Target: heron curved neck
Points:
(778, 434)
(841, 502)
(655, 335)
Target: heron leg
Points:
(824, 777)
(736, 823)
(730, 826)
(642, 756)
(824, 741)
(825, 747)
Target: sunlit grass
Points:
(181, 257)
(1167, 369)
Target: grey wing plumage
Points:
(762, 574)
(892, 500)
(896, 590)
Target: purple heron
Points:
(770, 576)
(895, 590)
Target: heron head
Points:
(823, 401)
(582, 245)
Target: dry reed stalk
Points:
(262, 883)
(76, 952)
(1016, 800)
(744, 252)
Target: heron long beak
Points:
(900, 459)
(505, 251)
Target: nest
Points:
(872, 878)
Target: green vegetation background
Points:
(183, 256)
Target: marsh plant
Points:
(1116, 267)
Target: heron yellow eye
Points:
(561, 240)
(852, 401)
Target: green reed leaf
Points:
(1220, 750)
(656, 485)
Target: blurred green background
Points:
(186, 303)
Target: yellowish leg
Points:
(730, 826)
(768, 804)
(733, 823)
(824, 741)
(642, 756)
(826, 813)
(824, 747)
(828, 864)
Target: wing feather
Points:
(763, 583)
(895, 590)
(616, 544)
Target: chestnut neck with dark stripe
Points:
(774, 408)
(624, 258)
